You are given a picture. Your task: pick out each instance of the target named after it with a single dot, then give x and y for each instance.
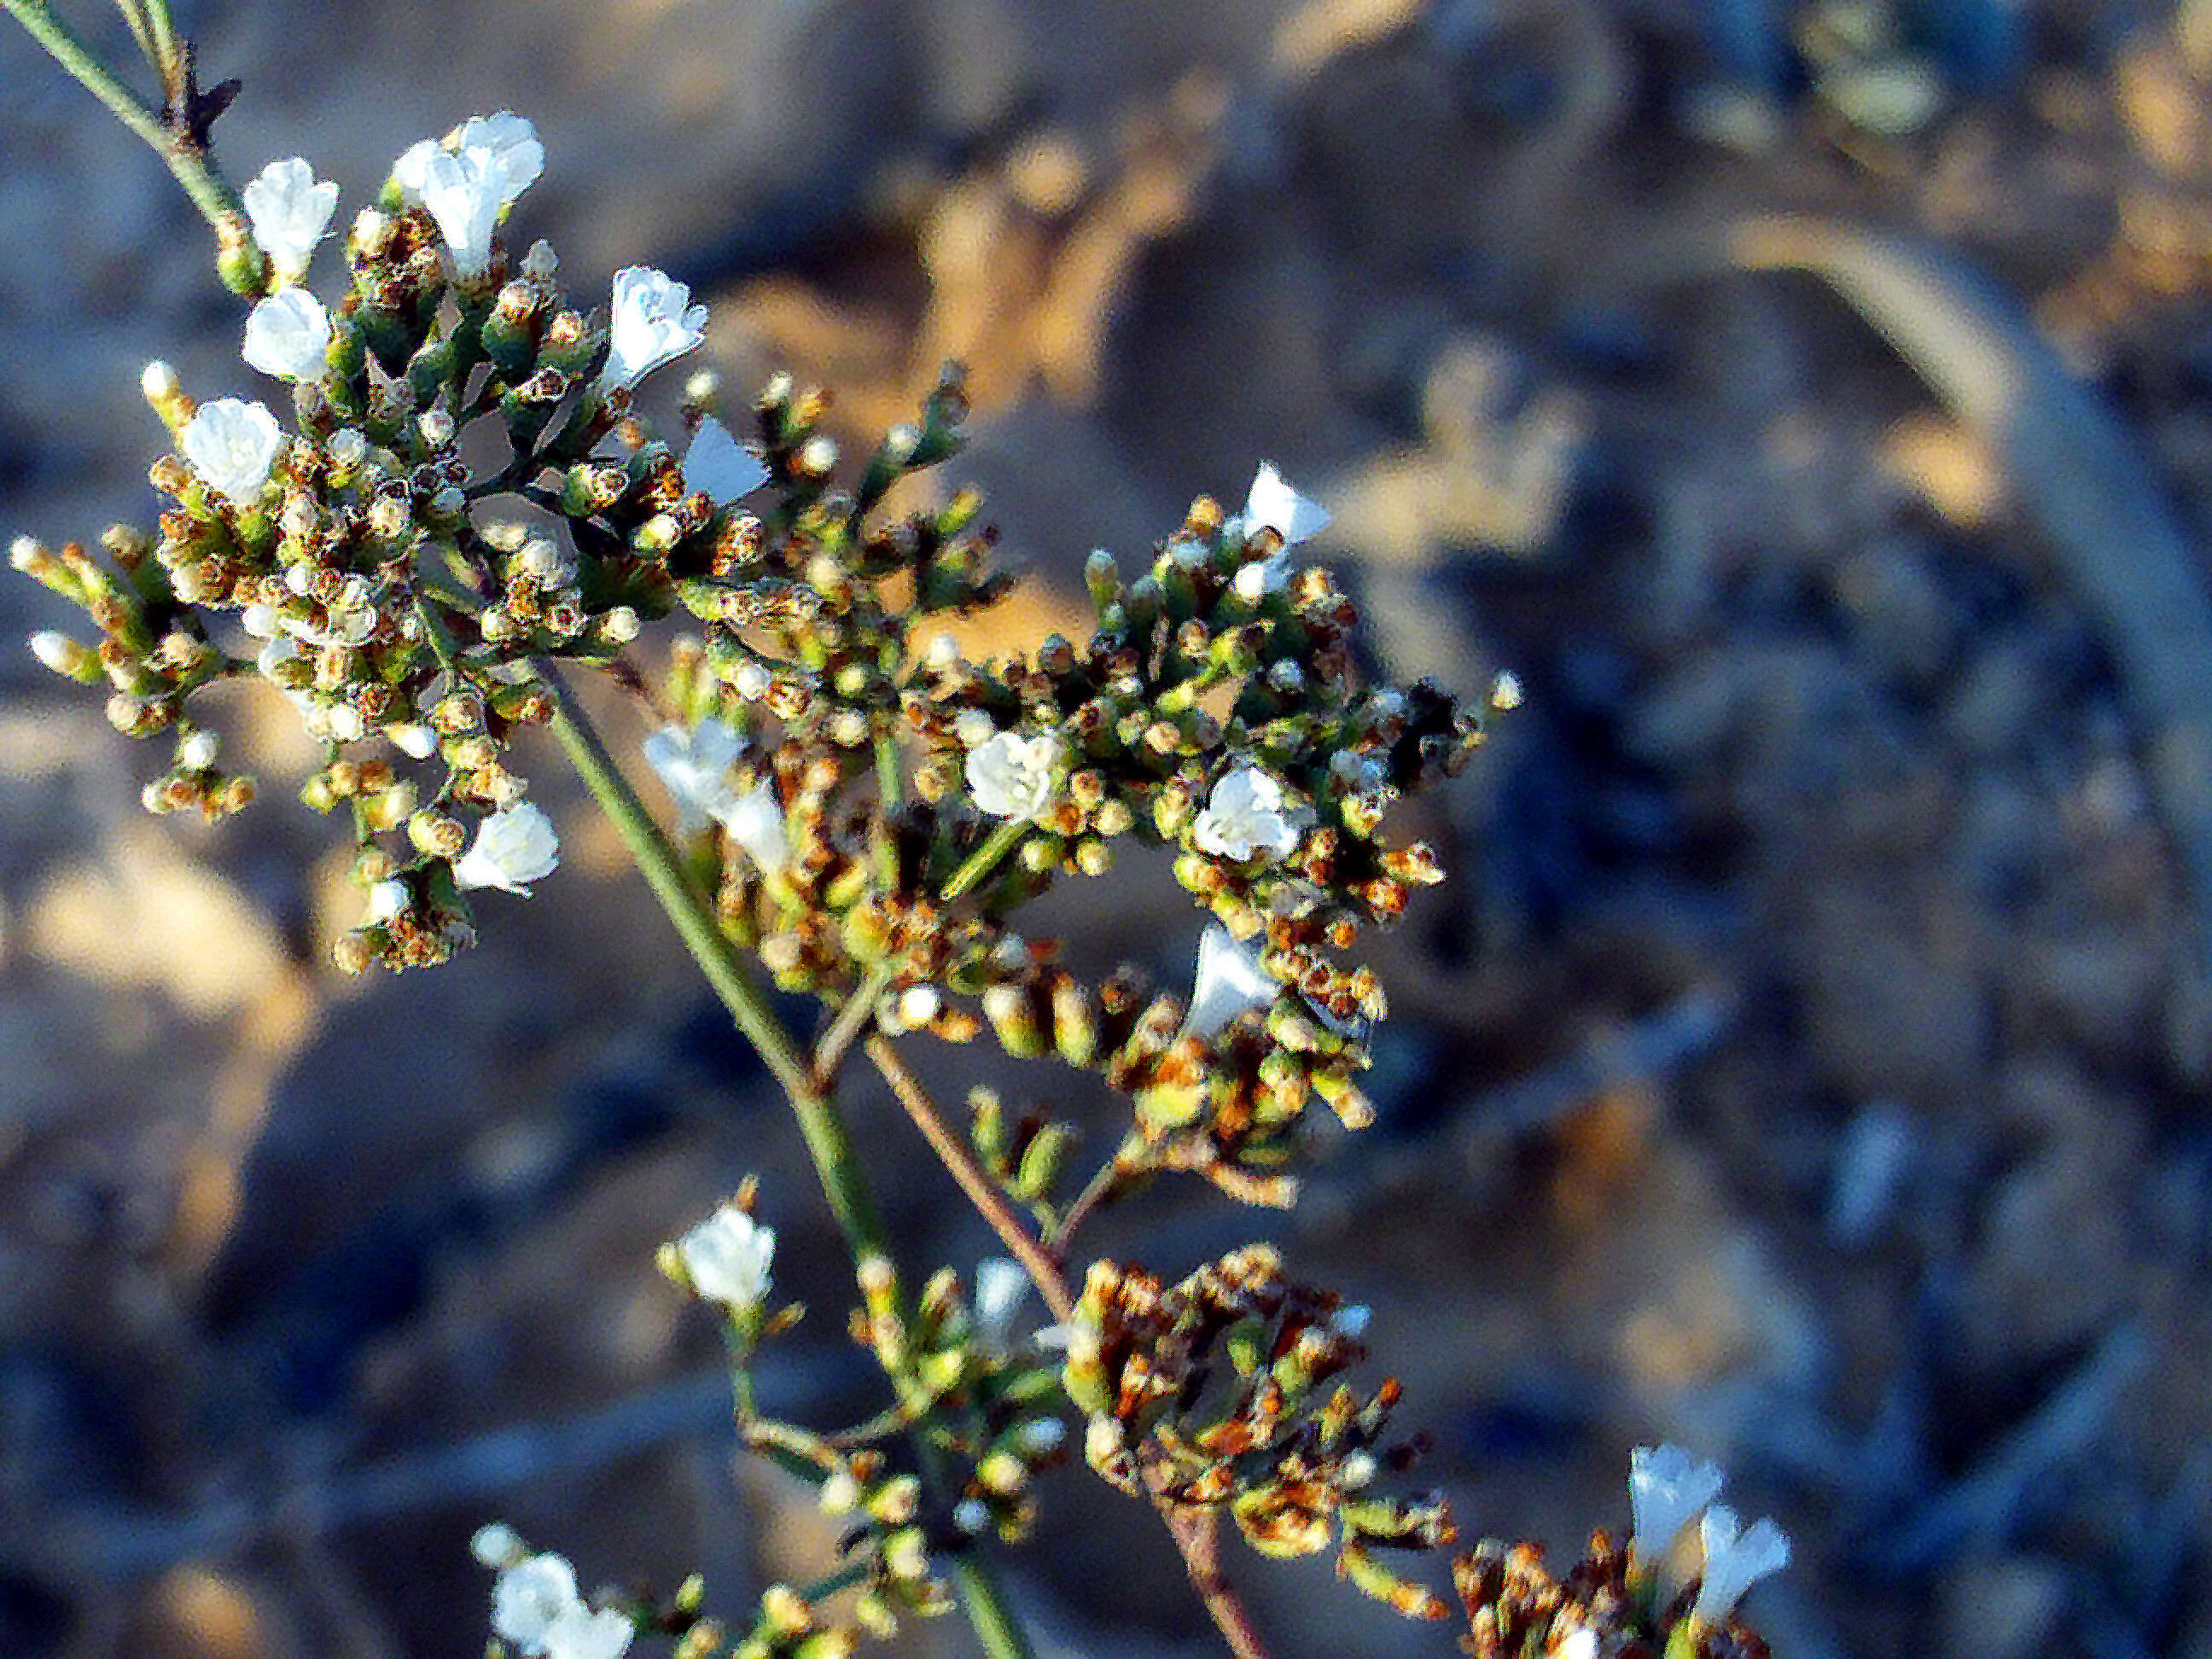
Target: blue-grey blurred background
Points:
(1807, 1063)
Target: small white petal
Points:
(288, 335)
(1667, 1489)
(1228, 982)
(498, 1545)
(232, 445)
(514, 845)
(971, 1516)
(580, 1633)
(1011, 777)
(693, 766)
(412, 170)
(719, 464)
(1735, 1561)
(1000, 1286)
(1246, 816)
(387, 899)
(755, 822)
(57, 651)
(461, 192)
(529, 1596)
(1044, 1434)
(1275, 504)
(653, 321)
(416, 742)
(288, 212)
(728, 1256)
(198, 752)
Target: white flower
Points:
(727, 1255)
(1246, 816)
(1273, 505)
(1230, 980)
(755, 822)
(288, 335)
(387, 899)
(511, 142)
(232, 445)
(971, 1516)
(461, 192)
(1578, 1644)
(528, 1598)
(506, 141)
(693, 767)
(580, 1633)
(1011, 776)
(289, 212)
(1735, 1561)
(514, 845)
(653, 321)
(1667, 1489)
(1000, 1286)
(719, 465)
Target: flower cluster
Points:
(1220, 1391)
(982, 1408)
(351, 558)
(535, 1604)
(1619, 1600)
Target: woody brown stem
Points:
(1021, 1244)
(1197, 1534)
(1196, 1530)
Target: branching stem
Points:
(185, 159)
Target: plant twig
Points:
(829, 1143)
(1104, 1182)
(181, 143)
(1197, 1534)
(1195, 1531)
(1044, 1271)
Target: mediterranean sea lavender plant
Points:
(860, 814)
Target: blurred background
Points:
(1806, 1063)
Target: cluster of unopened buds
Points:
(868, 809)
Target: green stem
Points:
(210, 192)
(686, 907)
(861, 1006)
(828, 1142)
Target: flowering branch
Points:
(858, 817)
(829, 1143)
